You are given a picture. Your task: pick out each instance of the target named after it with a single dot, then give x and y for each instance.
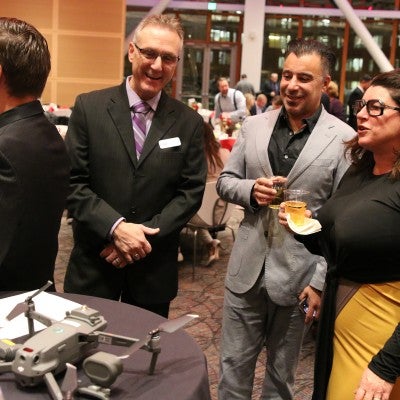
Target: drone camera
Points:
(103, 368)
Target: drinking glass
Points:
(296, 204)
(278, 185)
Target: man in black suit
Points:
(271, 87)
(129, 206)
(34, 165)
(357, 94)
(260, 104)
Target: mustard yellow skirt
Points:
(361, 329)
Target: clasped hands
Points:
(129, 244)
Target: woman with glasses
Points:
(358, 354)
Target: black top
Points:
(359, 239)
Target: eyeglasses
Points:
(152, 55)
(374, 107)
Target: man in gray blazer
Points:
(129, 199)
(269, 271)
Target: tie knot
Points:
(141, 107)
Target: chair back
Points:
(214, 211)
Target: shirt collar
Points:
(310, 121)
(133, 98)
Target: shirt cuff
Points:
(116, 223)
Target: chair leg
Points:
(194, 252)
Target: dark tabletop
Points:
(181, 370)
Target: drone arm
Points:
(5, 367)
(40, 318)
(116, 340)
(52, 386)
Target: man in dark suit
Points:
(129, 199)
(271, 87)
(357, 94)
(260, 105)
(34, 165)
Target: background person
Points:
(276, 103)
(359, 239)
(229, 103)
(269, 271)
(134, 204)
(34, 166)
(245, 86)
(260, 106)
(271, 87)
(355, 95)
(216, 159)
(336, 107)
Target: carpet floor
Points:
(203, 295)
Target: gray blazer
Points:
(289, 267)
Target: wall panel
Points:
(86, 40)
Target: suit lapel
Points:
(320, 138)
(121, 115)
(263, 137)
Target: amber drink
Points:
(295, 205)
(278, 185)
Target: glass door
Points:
(200, 68)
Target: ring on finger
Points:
(117, 260)
(136, 256)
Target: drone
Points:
(64, 343)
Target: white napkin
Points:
(310, 226)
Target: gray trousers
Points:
(250, 322)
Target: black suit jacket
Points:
(163, 189)
(356, 94)
(34, 172)
(253, 109)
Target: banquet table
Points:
(181, 369)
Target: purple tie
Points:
(139, 125)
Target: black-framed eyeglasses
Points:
(152, 55)
(375, 107)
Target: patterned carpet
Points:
(204, 296)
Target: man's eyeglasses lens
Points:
(151, 55)
(374, 107)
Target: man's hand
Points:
(130, 240)
(313, 297)
(113, 256)
(373, 387)
(262, 192)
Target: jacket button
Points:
(133, 211)
(266, 234)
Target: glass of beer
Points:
(295, 205)
(278, 185)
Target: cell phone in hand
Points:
(303, 305)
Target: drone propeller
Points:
(70, 382)
(23, 307)
(167, 326)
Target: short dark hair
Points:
(302, 47)
(366, 78)
(24, 58)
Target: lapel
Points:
(320, 138)
(263, 136)
(163, 119)
(120, 113)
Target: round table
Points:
(181, 369)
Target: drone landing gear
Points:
(95, 391)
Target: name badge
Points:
(171, 142)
